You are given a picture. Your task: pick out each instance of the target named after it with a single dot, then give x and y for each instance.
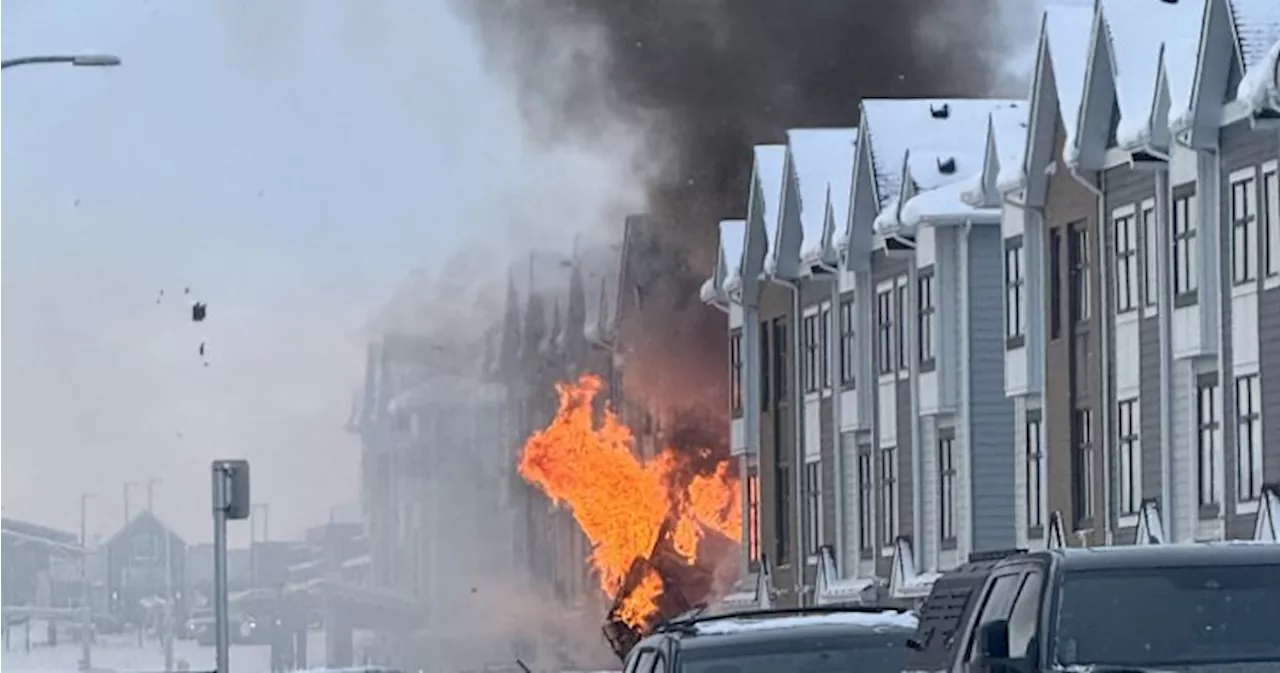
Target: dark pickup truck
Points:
(1199, 608)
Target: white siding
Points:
(738, 436)
(812, 429)
(850, 419)
(927, 545)
(1187, 330)
(1127, 356)
(1244, 329)
(1020, 470)
(1185, 509)
(849, 467)
(888, 413)
(925, 245)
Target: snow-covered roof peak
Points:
(1259, 89)
(823, 163)
(733, 239)
(1066, 33)
(1009, 136)
(769, 162)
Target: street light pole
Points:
(167, 632)
(78, 60)
(124, 578)
(86, 607)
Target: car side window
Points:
(660, 663)
(995, 605)
(1025, 615)
(641, 662)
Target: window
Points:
(884, 323)
(1271, 219)
(753, 514)
(809, 332)
(766, 367)
(780, 358)
(1055, 283)
(813, 506)
(1015, 281)
(783, 514)
(1208, 423)
(1082, 436)
(1035, 471)
(924, 284)
(995, 606)
(889, 494)
(1244, 231)
(1126, 263)
(144, 547)
(947, 489)
(848, 362)
(1150, 272)
(1080, 299)
(1025, 616)
(1185, 266)
(824, 355)
(866, 486)
(901, 317)
(735, 373)
(660, 664)
(1248, 438)
(1130, 458)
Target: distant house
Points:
(136, 561)
(30, 552)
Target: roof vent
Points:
(940, 112)
(947, 166)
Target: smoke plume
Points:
(703, 81)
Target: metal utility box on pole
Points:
(230, 502)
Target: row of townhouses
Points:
(972, 325)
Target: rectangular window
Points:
(809, 332)
(1185, 263)
(901, 317)
(1055, 283)
(1015, 291)
(783, 513)
(889, 494)
(848, 356)
(813, 506)
(924, 284)
(1080, 258)
(753, 514)
(1150, 272)
(780, 368)
(866, 486)
(1208, 423)
(766, 366)
(1248, 438)
(1271, 218)
(1129, 458)
(144, 547)
(1126, 262)
(884, 322)
(1082, 438)
(1035, 471)
(735, 372)
(824, 345)
(947, 489)
(1244, 230)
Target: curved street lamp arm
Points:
(82, 60)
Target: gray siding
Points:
(885, 268)
(991, 437)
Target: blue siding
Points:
(991, 435)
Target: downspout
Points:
(1106, 328)
(799, 553)
(834, 339)
(966, 345)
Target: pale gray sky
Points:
(289, 161)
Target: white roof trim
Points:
(1150, 525)
(1267, 525)
(1055, 537)
(904, 581)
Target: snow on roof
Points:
(1257, 25)
(708, 292)
(1136, 32)
(1009, 133)
(894, 126)
(1066, 33)
(600, 267)
(943, 203)
(887, 618)
(1260, 87)
(733, 238)
(823, 163)
(887, 219)
(769, 160)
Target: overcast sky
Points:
(289, 166)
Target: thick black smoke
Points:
(707, 79)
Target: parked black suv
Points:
(1202, 607)
(802, 640)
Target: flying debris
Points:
(202, 349)
(198, 311)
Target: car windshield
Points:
(863, 654)
(1170, 617)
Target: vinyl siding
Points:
(884, 268)
(926, 547)
(990, 440)
(1181, 516)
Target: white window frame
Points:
(1079, 262)
(926, 325)
(947, 475)
(1184, 224)
(735, 373)
(902, 298)
(1249, 447)
(1085, 488)
(1125, 231)
(1015, 289)
(813, 507)
(1242, 200)
(1034, 438)
(824, 346)
(1269, 190)
(809, 352)
(889, 495)
(1208, 421)
(1129, 457)
(1150, 258)
(886, 359)
(866, 499)
(848, 343)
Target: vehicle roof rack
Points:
(994, 555)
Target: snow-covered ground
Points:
(125, 655)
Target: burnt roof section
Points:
(945, 611)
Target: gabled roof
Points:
(728, 261)
(600, 267)
(767, 177)
(1008, 137)
(146, 518)
(822, 161)
(1257, 26)
(1065, 38)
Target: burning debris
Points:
(660, 529)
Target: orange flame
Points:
(621, 502)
